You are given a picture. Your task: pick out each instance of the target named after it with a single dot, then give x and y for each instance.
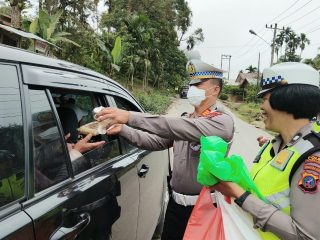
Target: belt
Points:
(188, 200)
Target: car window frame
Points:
(110, 97)
(32, 190)
(15, 206)
(99, 97)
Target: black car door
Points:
(75, 198)
(14, 222)
(152, 169)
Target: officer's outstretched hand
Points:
(114, 129)
(228, 189)
(116, 115)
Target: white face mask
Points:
(196, 96)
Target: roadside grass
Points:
(153, 100)
(248, 112)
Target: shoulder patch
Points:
(313, 159)
(308, 182)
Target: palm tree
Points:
(303, 41)
(251, 69)
(279, 43)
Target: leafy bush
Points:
(154, 101)
(223, 96)
(231, 89)
(251, 94)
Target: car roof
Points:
(22, 56)
(25, 58)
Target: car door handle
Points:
(143, 170)
(72, 232)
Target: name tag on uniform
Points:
(281, 160)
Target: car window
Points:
(75, 110)
(12, 162)
(126, 105)
(48, 150)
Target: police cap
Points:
(287, 73)
(199, 71)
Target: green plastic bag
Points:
(214, 166)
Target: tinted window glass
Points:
(75, 110)
(11, 132)
(126, 105)
(49, 156)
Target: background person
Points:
(160, 132)
(287, 169)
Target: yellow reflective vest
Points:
(271, 175)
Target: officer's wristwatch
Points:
(240, 200)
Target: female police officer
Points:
(287, 168)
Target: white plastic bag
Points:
(236, 222)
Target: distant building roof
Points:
(243, 78)
(5, 19)
(23, 34)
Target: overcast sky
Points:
(226, 25)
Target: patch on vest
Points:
(313, 159)
(281, 160)
(308, 182)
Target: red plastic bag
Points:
(205, 222)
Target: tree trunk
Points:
(129, 6)
(16, 16)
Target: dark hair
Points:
(300, 100)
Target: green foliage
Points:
(291, 41)
(150, 46)
(223, 96)
(251, 69)
(155, 101)
(315, 62)
(195, 38)
(135, 41)
(251, 94)
(232, 89)
(46, 27)
(116, 51)
(5, 10)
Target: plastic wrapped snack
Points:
(95, 128)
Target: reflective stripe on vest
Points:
(273, 181)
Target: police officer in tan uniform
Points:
(287, 169)
(160, 132)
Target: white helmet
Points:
(288, 73)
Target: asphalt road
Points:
(245, 138)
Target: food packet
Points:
(95, 128)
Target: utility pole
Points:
(227, 57)
(258, 77)
(274, 28)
